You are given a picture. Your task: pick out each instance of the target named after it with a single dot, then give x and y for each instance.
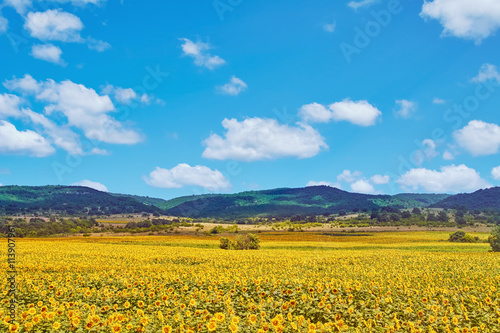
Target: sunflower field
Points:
(386, 282)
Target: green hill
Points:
(482, 199)
(314, 200)
(72, 200)
(292, 201)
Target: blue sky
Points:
(178, 98)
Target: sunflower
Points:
(56, 325)
(212, 326)
(116, 328)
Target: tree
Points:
(406, 214)
(442, 216)
(494, 239)
(416, 211)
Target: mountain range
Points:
(314, 200)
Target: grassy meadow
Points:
(296, 282)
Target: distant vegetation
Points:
(44, 226)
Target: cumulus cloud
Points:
(19, 5)
(329, 27)
(348, 176)
(479, 138)
(47, 52)
(468, 19)
(359, 113)
(323, 183)
(451, 179)
(54, 24)
(9, 106)
(406, 108)
(261, 139)
(186, 175)
(487, 72)
(234, 87)
(198, 51)
(91, 184)
(82, 106)
(315, 112)
(26, 142)
(61, 136)
(362, 186)
(495, 173)
(362, 3)
(4, 24)
(126, 95)
(380, 179)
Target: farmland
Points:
(296, 282)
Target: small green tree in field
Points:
(494, 239)
(461, 237)
(242, 242)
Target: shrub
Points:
(225, 243)
(242, 242)
(461, 237)
(494, 239)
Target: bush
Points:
(461, 237)
(242, 242)
(494, 239)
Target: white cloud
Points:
(430, 150)
(495, 173)
(438, 101)
(198, 51)
(359, 113)
(47, 52)
(4, 24)
(348, 176)
(406, 108)
(54, 24)
(468, 19)
(329, 27)
(379, 179)
(487, 72)
(60, 136)
(26, 84)
(362, 186)
(26, 142)
(479, 138)
(233, 87)
(323, 183)
(22, 5)
(448, 156)
(82, 106)
(9, 106)
(315, 112)
(19, 5)
(91, 184)
(261, 139)
(125, 95)
(362, 3)
(97, 45)
(186, 175)
(450, 179)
